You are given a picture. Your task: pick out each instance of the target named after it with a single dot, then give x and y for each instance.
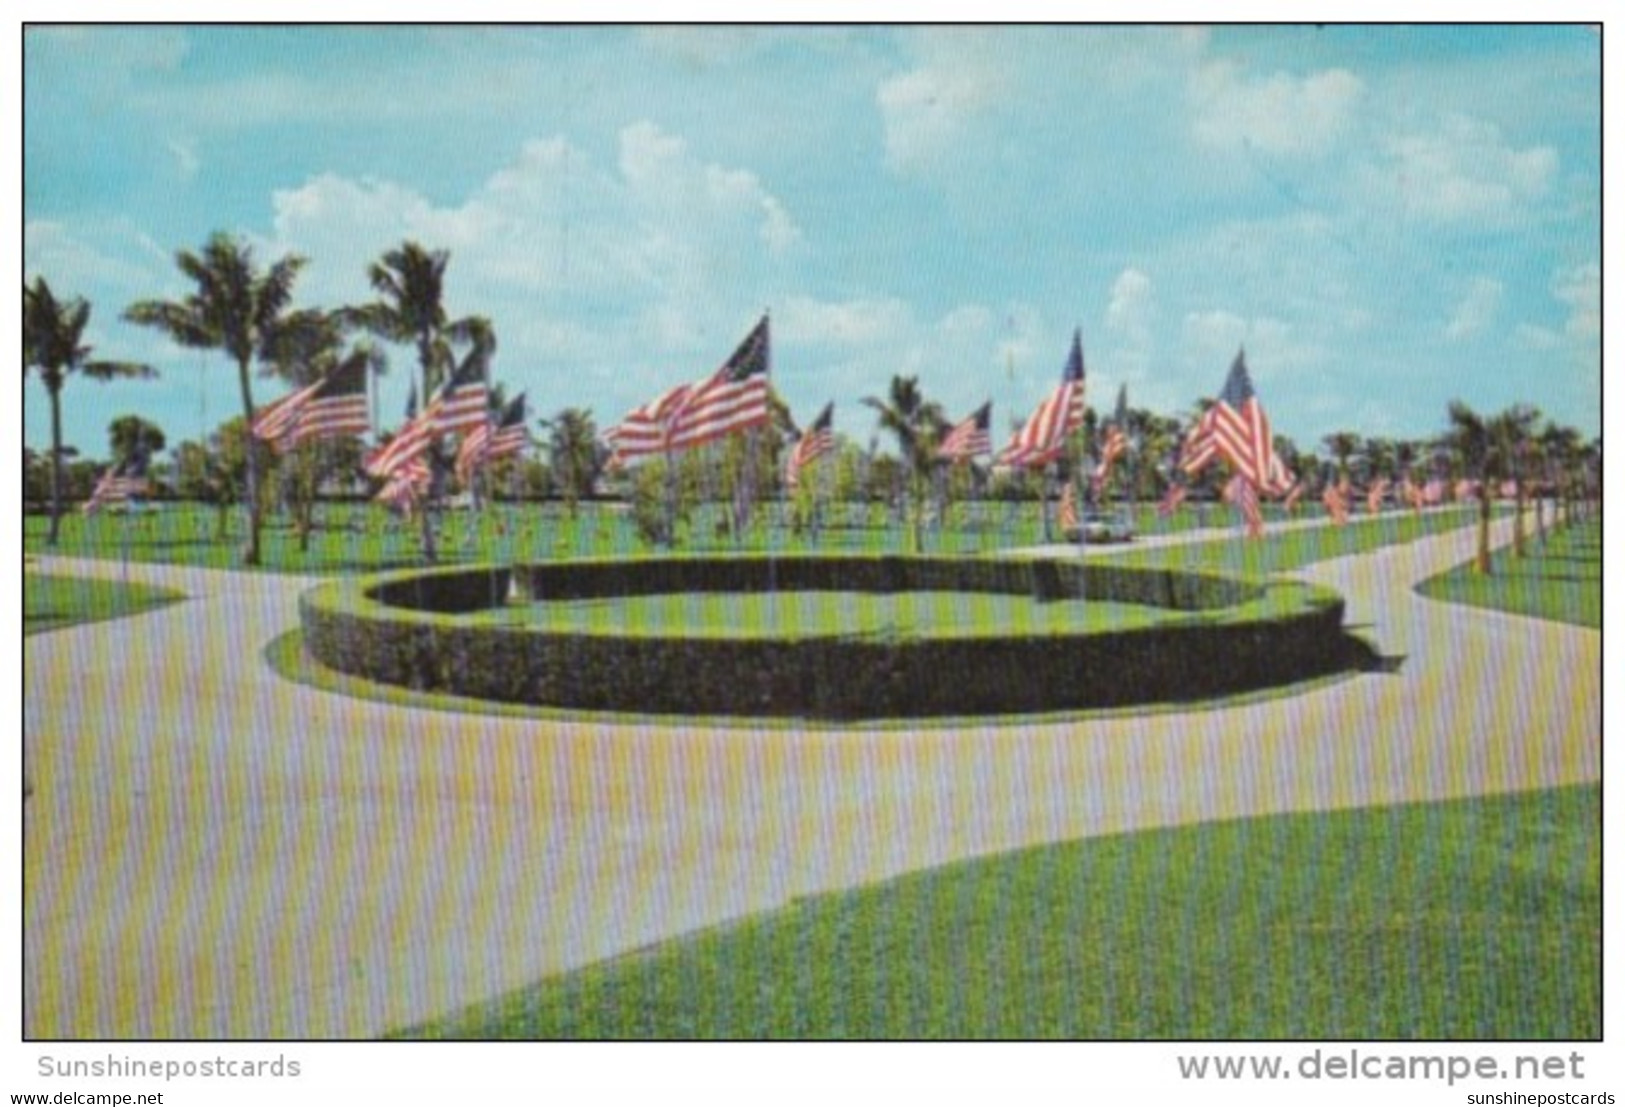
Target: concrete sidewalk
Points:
(214, 852)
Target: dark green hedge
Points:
(403, 630)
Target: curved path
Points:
(214, 852)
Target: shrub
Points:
(407, 629)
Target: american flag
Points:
(1236, 429)
(642, 433)
(733, 398)
(1376, 494)
(408, 486)
(1177, 491)
(1069, 507)
(335, 407)
(1244, 494)
(1336, 499)
(1115, 443)
(490, 441)
(119, 484)
(410, 443)
(969, 437)
(1292, 497)
(1410, 492)
(463, 403)
(1042, 438)
(816, 441)
(275, 420)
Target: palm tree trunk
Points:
(1484, 528)
(56, 468)
(1518, 549)
(251, 554)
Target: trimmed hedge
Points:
(405, 629)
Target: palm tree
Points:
(1342, 445)
(1561, 446)
(130, 435)
(306, 347)
(410, 282)
(53, 333)
(917, 424)
(1514, 430)
(573, 454)
(410, 309)
(237, 309)
(1474, 441)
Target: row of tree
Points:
(245, 311)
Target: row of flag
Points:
(1234, 431)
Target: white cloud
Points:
(1130, 308)
(184, 151)
(1580, 288)
(1274, 347)
(852, 323)
(928, 109)
(1535, 337)
(1464, 171)
(1278, 114)
(1477, 309)
(553, 222)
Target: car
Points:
(1101, 526)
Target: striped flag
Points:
(1042, 438)
(1376, 494)
(1115, 443)
(410, 443)
(1410, 492)
(490, 441)
(119, 483)
(1236, 429)
(1177, 491)
(275, 420)
(1292, 498)
(463, 403)
(642, 433)
(1336, 499)
(1069, 507)
(335, 408)
(408, 486)
(1244, 494)
(816, 441)
(733, 398)
(969, 437)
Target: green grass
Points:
(791, 615)
(364, 538)
(1560, 580)
(1286, 550)
(51, 602)
(1471, 919)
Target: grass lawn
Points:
(1470, 919)
(1285, 550)
(1561, 580)
(810, 614)
(362, 537)
(51, 602)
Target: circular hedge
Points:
(412, 629)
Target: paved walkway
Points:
(214, 852)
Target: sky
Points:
(1385, 219)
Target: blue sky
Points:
(1387, 218)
